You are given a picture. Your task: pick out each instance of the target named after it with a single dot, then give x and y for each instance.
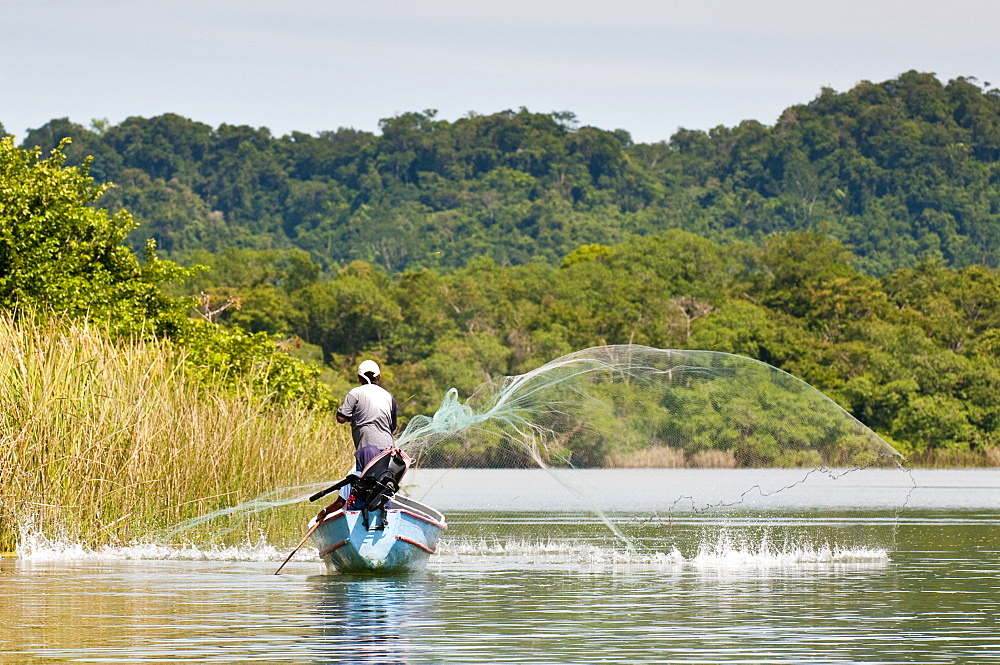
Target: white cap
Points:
(369, 367)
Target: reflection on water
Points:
(365, 619)
(934, 600)
(521, 587)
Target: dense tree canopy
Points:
(853, 244)
(59, 253)
(902, 172)
(913, 354)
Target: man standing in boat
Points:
(371, 410)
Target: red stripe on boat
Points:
(332, 548)
(440, 525)
(333, 516)
(415, 544)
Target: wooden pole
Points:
(319, 520)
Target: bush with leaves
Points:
(58, 253)
(253, 358)
(61, 255)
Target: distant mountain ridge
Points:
(901, 171)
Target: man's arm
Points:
(332, 508)
(346, 410)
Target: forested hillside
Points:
(901, 171)
(853, 244)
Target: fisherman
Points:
(371, 410)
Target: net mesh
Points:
(631, 407)
(638, 406)
(655, 455)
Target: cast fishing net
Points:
(629, 451)
(754, 451)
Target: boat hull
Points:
(402, 543)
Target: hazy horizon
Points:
(304, 65)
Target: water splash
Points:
(39, 548)
(726, 552)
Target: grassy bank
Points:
(952, 459)
(674, 458)
(105, 443)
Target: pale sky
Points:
(309, 65)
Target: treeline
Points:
(902, 172)
(853, 244)
(914, 354)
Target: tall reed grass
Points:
(105, 442)
(988, 456)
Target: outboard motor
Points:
(379, 481)
(376, 484)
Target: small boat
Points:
(399, 538)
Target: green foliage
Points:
(236, 356)
(902, 171)
(853, 244)
(344, 314)
(59, 253)
(896, 353)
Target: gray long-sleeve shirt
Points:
(371, 410)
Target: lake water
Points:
(525, 575)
